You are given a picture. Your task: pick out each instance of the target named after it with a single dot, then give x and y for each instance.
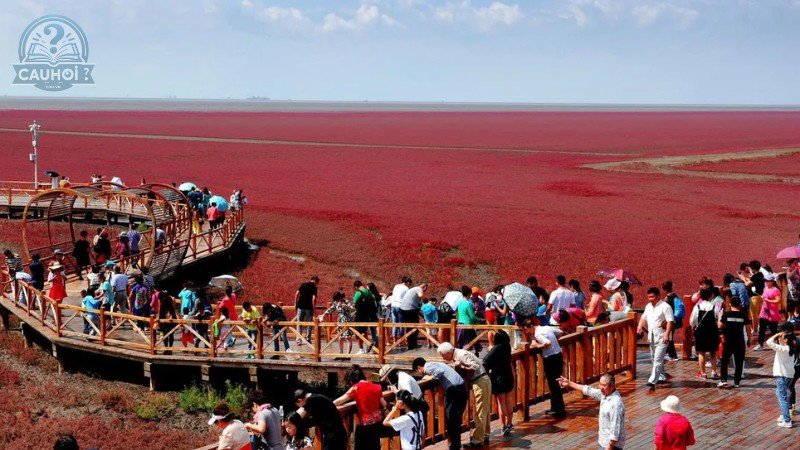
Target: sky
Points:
(528, 51)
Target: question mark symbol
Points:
(59, 33)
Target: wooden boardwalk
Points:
(741, 418)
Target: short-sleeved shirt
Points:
(272, 436)
(561, 298)
(408, 383)
(188, 298)
(368, 401)
(411, 427)
(230, 303)
(611, 423)
(133, 239)
(734, 322)
(411, 299)
(444, 374)
(253, 315)
(307, 292)
(120, 282)
(109, 292)
(545, 334)
(657, 315)
(90, 302)
(323, 413)
(397, 294)
(234, 437)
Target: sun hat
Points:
(769, 277)
(214, 418)
(385, 370)
(612, 284)
(58, 251)
(55, 266)
(671, 404)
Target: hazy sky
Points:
(574, 51)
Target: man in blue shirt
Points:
(188, 297)
(455, 395)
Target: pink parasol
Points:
(620, 274)
(789, 252)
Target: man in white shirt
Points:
(119, 282)
(409, 310)
(561, 298)
(398, 292)
(399, 381)
(545, 339)
(658, 320)
(611, 420)
(481, 388)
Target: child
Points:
(186, 336)
(344, 313)
(297, 437)
(430, 315)
(92, 318)
(407, 417)
(785, 346)
(250, 316)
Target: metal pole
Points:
(34, 128)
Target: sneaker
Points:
(758, 348)
(736, 385)
(506, 430)
(360, 352)
(668, 358)
(780, 419)
(708, 364)
(722, 384)
(783, 424)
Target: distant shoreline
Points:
(258, 105)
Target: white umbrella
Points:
(224, 281)
(452, 298)
(187, 186)
(520, 299)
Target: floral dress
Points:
(345, 312)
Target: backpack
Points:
(141, 297)
(417, 430)
(445, 311)
(280, 316)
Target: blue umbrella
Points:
(222, 204)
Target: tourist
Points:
(297, 437)
(370, 407)
(166, 311)
(478, 303)
(752, 277)
(266, 424)
(568, 320)
(202, 312)
(187, 296)
(407, 418)
(12, 260)
(81, 252)
(92, 305)
(102, 248)
(221, 329)
(733, 325)
(538, 291)
(678, 313)
(578, 295)
(770, 314)
(134, 238)
(272, 314)
(471, 368)
(323, 414)
(561, 297)
(446, 312)
(673, 430)
(430, 315)
(140, 299)
(618, 302)
(785, 346)
(399, 381)
(611, 420)
(703, 321)
(501, 374)
(597, 303)
(105, 294)
(58, 283)
(212, 214)
(66, 442)
(545, 339)
(625, 288)
(659, 321)
(187, 337)
(398, 291)
(149, 281)
(250, 316)
(234, 435)
(409, 310)
(305, 303)
(122, 249)
(738, 290)
(37, 271)
(793, 281)
(159, 237)
(366, 310)
(229, 302)
(455, 395)
(466, 316)
(344, 314)
(120, 283)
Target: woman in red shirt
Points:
(370, 405)
(673, 431)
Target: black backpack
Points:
(446, 312)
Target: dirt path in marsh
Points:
(671, 165)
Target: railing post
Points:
(57, 313)
(631, 342)
(317, 343)
(586, 355)
(453, 331)
(213, 349)
(102, 326)
(526, 384)
(152, 334)
(381, 342)
(260, 340)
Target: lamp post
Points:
(34, 157)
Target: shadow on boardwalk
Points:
(741, 418)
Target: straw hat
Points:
(612, 284)
(56, 266)
(386, 369)
(671, 404)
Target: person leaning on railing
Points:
(455, 395)
(370, 407)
